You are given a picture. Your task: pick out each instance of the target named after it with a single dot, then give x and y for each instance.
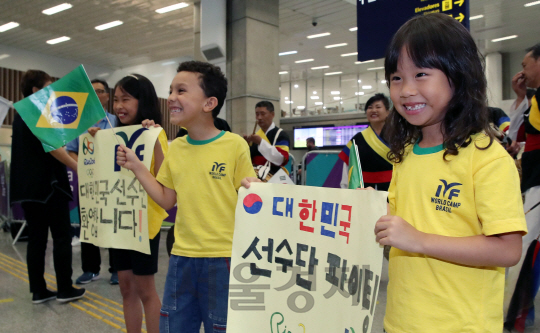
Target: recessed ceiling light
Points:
(103, 74)
(532, 3)
(296, 86)
(305, 60)
(360, 93)
(283, 72)
(375, 68)
(383, 81)
(363, 62)
(57, 9)
(167, 63)
(319, 35)
(503, 38)
(314, 93)
(314, 97)
(367, 87)
(171, 8)
(349, 54)
(301, 107)
(286, 97)
(335, 45)
(359, 81)
(334, 93)
(289, 102)
(318, 103)
(288, 52)
(109, 25)
(353, 29)
(4, 56)
(475, 17)
(58, 40)
(337, 98)
(320, 67)
(8, 26)
(333, 73)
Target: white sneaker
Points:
(75, 241)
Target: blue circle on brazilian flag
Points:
(64, 110)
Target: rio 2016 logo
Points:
(87, 147)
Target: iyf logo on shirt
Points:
(63, 110)
(218, 170)
(445, 196)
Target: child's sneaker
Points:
(47, 295)
(87, 277)
(71, 295)
(114, 279)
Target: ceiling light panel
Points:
(319, 35)
(58, 40)
(57, 9)
(8, 26)
(171, 8)
(287, 53)
(503, 38)
(335, 45)
(109, 25)
(304, 60)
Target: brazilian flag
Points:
(62, 111)
(355, 169)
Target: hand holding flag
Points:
(62, 111)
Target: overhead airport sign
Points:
(378, 20)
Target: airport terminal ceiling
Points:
(146, 36)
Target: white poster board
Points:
(305, 259)
(113, 203)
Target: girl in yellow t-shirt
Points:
(455, 214)
(136, 102)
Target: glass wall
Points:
(330, 94)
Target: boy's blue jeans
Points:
(196, 290)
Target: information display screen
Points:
(327, 136)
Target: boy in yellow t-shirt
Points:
(201, 173)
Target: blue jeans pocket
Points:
(163, 322)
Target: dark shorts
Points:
(139, 263)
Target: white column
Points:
(494, 79)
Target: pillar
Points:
(252, 60)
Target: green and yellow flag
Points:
(62, 111)
(355, 168)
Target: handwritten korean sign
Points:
(305, 259)
(113, 202)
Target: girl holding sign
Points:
(136, 102)
(456, 216)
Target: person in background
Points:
(310, 144)
(263, 149)
(528, 119)
(90, 254)
(372, 147)
(39, 181)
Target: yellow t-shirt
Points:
(476, 192)
(156, 214)
(205, 176)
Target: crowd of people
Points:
(434, 143)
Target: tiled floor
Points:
(101, 309)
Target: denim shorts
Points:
(196, 290)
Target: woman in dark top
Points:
(39, 182)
